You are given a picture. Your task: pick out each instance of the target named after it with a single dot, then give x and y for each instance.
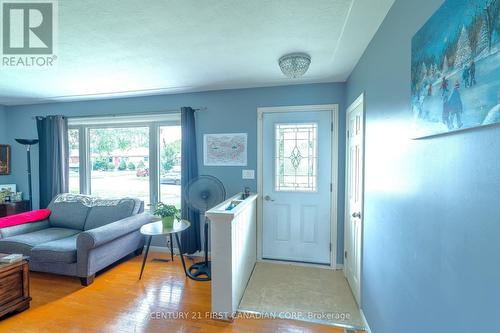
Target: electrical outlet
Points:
(248, 174)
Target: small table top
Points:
(157, 228)
(14, 202)
(7, 265)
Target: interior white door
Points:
(296, 176)
(354, 197)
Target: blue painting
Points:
(455, 68)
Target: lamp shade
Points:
(27, 142)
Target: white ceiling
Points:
(128, 47)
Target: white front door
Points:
(354, 196)
(296, 178)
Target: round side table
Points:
(157, 229)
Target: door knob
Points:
(356, 215)
(268, 198)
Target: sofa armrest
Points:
(96, 237)
(23, 228)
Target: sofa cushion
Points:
(61, 250)
(25, 242)
(23, 228)
(70, 215)
(102, 215)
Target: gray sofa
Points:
(82, 236)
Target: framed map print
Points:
(225, 149)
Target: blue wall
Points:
(3, 127)
(228, 111)
(432, 207)
(3, 139)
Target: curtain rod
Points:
(204, 108)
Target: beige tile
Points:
(298, 291)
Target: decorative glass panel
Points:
(296, 157)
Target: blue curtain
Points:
(53, 157)
(190, 239)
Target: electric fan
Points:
(203, 193)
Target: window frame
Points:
(154, 147)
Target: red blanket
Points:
(28, 217)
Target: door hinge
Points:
(331, 187)
(345, 254)
(330, 247)
(332, 126)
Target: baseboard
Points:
(295, 263)
(368, 329)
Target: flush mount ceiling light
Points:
(295, 65)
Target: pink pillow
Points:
(28, 217)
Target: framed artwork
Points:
(225, 149)
(9, 187)
(455, 68)
(4, 160)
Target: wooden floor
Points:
(118, 302)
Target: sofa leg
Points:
(138, 252)
(85, 281)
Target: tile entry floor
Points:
(305, 293)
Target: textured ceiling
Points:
(125, 48)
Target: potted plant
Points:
(167, 214)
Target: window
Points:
(296, 157)
(119, 162)
(170, 165)
(134, 156)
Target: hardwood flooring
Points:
(163, 301)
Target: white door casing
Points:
(354, 196)
(297, 210)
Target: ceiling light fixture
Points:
(294, 65)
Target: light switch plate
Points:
(248, 174)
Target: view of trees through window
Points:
(110, 145)
(74, 161)
(120, 162)
(170, 165)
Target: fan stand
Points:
(203, 193)
(202, 271)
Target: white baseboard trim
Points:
(368, 329)
(295, 263)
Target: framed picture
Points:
(4, 160)
(455, 68)
(9, 187)
(225, 149)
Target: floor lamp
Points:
(28, 143)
